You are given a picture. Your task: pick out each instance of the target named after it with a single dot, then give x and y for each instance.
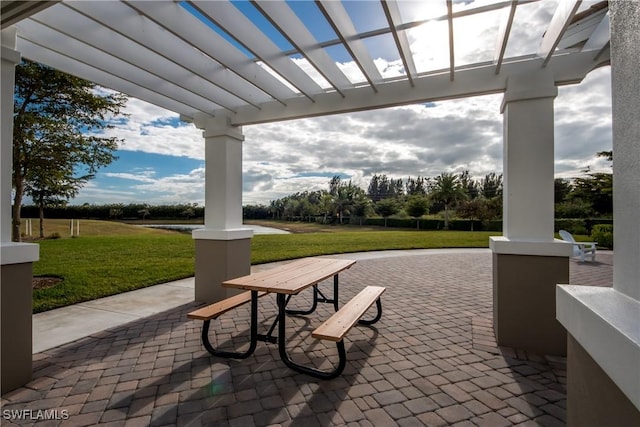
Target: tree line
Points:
(460, 195)
(453, 194)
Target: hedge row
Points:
(435, 224)
(178, 212)
(580, 226)
(117, 211)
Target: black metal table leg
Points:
(253, 334)
(318, 296)
(335, 292)
(314, 305)
(282, 342)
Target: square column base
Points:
(16, 295)
(217, 261)
(593, 399)
(524, 302)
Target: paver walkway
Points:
(431, 360)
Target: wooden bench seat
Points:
(337, 326)
(218, 308)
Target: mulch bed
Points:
(45, 282)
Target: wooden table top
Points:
(292, 277)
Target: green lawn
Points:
(267, 248)
(111, 258)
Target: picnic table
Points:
(286, 281)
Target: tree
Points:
(448, 190)
(469, 184)
(51, 189)
(491, 186)
(606, 154)
(416, 187)
(473, 209)
(325, 206)
(561, 189)
(346, 197)
(56, 147)
(595, 189)
(417, 206)
(381, 187)
(334, 184)
(386, 208)
(362, 206)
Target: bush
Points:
(603, 234)
(573, 209)
(573, 226)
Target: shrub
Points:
(603, 234)
(573, 209)
(573, 226)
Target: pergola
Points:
(222, 65)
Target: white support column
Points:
(223, 248)
(10, 57)
(15, 258)
(527, 261)
(604, 323)
(528, 157)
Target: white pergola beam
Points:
(599, 39)
(392, 12)
(229, 18)
(288, 23)
(339, 19)
(503, 36)
(480, 80)
(73, 66)
(15, 11)
(122, 20)
(452, 58)
(559, 23)
(191, 30)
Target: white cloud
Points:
(418, 140)
(178, 188)
(286, 157)
(583, 124)
(143, 176)
(152, 129)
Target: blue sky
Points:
(161, 160)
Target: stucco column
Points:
(527, 261)
(603, 365)
(223, 247)
(15, 258)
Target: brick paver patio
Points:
(431, 360)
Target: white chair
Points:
(580, 249)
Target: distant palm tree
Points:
(449, 191)
(343, 200)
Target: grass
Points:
(267, 248)
(110, 257)
(88, 228)
(94, 267)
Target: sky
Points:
(161, 160)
